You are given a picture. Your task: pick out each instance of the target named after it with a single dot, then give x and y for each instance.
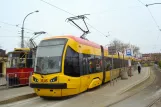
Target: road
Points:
(97, 98)
(146, 97)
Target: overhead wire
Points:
(109, 10)
(57, 7)
(150, 14)
(13, 36)
(15, 26)
(11, 31)
(152, 17)
(72, 15)
(141, 2)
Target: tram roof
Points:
(121, 57)
(21, 49)
(77, 39)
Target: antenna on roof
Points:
(85, 32)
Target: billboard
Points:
(111, 50)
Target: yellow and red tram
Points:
(68, 65)
(19, 66)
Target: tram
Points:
(69, 65)
(19, 66)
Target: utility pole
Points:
(22, 29)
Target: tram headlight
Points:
(54, 79)
(35, 79)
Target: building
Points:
(3, 60)
(152, 56)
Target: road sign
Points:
(129, 52)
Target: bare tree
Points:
(120, 46)
(117, 44)
(136, 49)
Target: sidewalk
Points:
(104, 93)
(2, 81)
(14, 94)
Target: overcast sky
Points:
(126, 20)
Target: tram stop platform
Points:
(111, 89)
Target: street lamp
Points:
(151, 4)
(22, 29)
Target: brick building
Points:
(152, 56)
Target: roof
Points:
(80, 40)
(21, 49)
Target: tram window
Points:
(71, 66)
(108, 62)
(98, 63)
(116, 63)
(85, 64)
(29, 60)
(91, 63)
(132, 62)
(126, 63)
(121, 63)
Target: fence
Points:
(14, 79)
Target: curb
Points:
(18, 98)
(137, 83)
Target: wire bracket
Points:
(85, 32)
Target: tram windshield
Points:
(49, 56)
(16, 60)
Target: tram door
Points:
(85, 77)
(72, 68)
(103, 67)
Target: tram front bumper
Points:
(52, 90)
(49, 86)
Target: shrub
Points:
(151, 64)
(145, 65)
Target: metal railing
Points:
(14, 79)
(18, 78)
